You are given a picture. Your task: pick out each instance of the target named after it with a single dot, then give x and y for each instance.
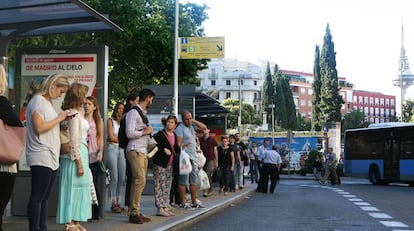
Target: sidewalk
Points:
(119, 222)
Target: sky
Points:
(366, 34)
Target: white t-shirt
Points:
(44, 149)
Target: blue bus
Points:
(384, 154)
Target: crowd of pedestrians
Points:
(82, 166)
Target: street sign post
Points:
(201, 47)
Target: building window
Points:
(228, 82)
(387, 102)
(382, 112)
(302, 102)
(376, 101)
(371, 111)
(371, 101)
(310, 103)
(213, 82)
(382, 102)
(360, 100)
(366, 100)
(255, 96)
(255, 82)
(302, 90)
(355, 99)
(228, 95)
(392, 103)
(310, 91)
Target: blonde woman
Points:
(43, 147)
(75, 199)
(7, 172)
(95, 146)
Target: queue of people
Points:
(81, 165)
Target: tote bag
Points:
(204, 182)
(185, 165)
(12, 142)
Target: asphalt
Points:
(183, 217)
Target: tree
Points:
(144, 52)
(408, 111)
(316, 97)
(354, 119)
(279, 98)
(292, 122)
(267, 92)
(249, 115)
(331, 101)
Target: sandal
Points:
(70, 227)
(80, 227)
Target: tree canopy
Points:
(144, 52)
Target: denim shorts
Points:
(191, 178)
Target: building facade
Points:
(377, 107)
(229, 78)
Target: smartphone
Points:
(72, 115)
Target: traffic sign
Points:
(201, 47)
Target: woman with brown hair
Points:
(75, 199)
(115, 158)
(95, 147)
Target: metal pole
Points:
(176, 47)
(273, 124)
(240, 105)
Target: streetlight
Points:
(240, 104)
(325, 132)
(272, 106)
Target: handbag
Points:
(204, 182)
(12, 143)
(64, 139)
(185, 165)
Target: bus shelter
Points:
(25, 18)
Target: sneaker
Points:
(184, 206)
(136, 219)
(144, 218)
(321, 182)
(197, 206)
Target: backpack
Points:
(122, 137)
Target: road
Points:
(355, 205)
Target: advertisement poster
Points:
(81, 68)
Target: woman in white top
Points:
(43, 147)
(115, 158)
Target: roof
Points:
(19, 18)
(187, 95)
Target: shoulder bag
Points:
(12, 143)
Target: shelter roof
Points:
(19, 18)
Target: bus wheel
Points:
(374, 175)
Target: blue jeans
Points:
(238, 174)
(43, 179)
(116, 164)
(253, 170)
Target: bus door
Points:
(392, 159)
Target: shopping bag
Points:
(200, 159)
(204, 182)
(185, 165)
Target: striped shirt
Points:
(134, 129)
